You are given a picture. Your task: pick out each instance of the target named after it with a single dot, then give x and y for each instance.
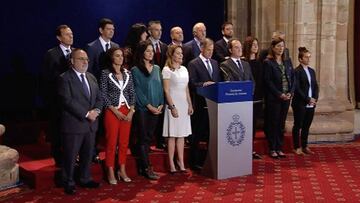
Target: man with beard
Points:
(221, 46)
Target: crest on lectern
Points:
(235, 133)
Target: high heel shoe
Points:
(123, 178)
(112, 180)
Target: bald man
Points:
(177, 36)
(80, 106)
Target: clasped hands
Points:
(93, 114)
(154, 110)
(286, 96)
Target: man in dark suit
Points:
(160, 48)
(80, 107)
(191, 49)
(97, 48)
(203, 71)
(56, 61)
(221, 46)
(176, 35)
(235, 69)
(304, 102)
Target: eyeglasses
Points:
(82, 59)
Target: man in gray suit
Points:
(80, 107)
(235, 69)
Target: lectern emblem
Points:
(235, 133)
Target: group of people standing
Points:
(148, 89)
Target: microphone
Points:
(226, 74)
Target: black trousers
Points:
(200, 132)
(302, 121)
(276, 112)
(77, 144)
(146, 123)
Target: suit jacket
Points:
(199, 74)
(75, 104)
(110, 88)
(301, 97)
(163, 49)
(191, 50)
(54, 64)
(273, 79)
(221, 51)
(97, 56)
(231, 71)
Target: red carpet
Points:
(331, 175)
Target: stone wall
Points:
(321, 26)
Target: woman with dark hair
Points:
(149, 103)
(136, 34)
(117, 88)
(304, 102)
(250, 52)
(279, 89)
(177, 123)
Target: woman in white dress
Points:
(177, 124)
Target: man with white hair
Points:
(192, 48)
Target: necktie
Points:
(67, 56)
(84, 86)
(157, 53)
(208, 67)
(107, 46)
(240, 66)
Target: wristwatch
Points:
(171, 106)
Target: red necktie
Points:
(157, 54)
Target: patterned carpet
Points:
(331, 175)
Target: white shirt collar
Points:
(235, 59)
(154, 41)
(103, 43)
(305, 66)
(78, 73)
(63, 49)
(226, 39)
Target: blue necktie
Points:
(107, 46)
(84, 86)
(240, 66)
(208, 67)
(67, 55)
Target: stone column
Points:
(322, 27)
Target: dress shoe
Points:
(281, 154)
(298, 151)
(308, 151)
(70, 190)
(196, 167)
(150, 174)
(90, 184)
(161, 146)
(173, 172)
(273, 155)
(256, 156)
